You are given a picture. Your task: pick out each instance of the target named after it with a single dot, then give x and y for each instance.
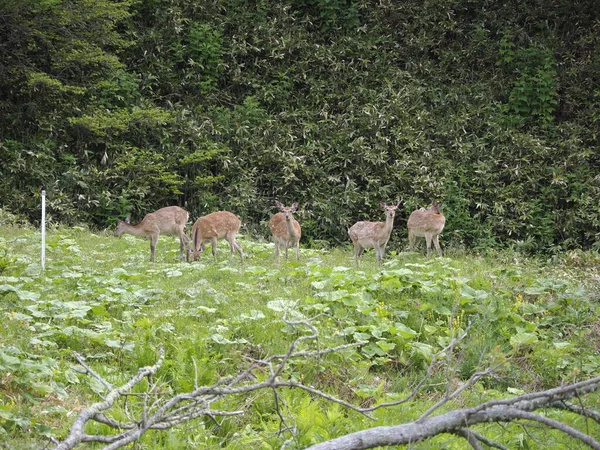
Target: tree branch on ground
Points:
(159, 412)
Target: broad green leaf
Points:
(96, 385)
(386, 346)
(256, 270)
(361, 337)
(7, 288)
(523, 338)
(403, 331)
(424, 350)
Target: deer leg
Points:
(184, 246)
(231, 241)
(235, 245)
(358, 249)
(153, 241)
(213, 243)
(378, 254)
(198, 252)
(436, 242)
(277, 251)
(428, 239)
(297, 251)
(411, 239)
(285, 248)
(238, 247)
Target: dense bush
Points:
(491, 108)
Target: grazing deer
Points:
(427, 223)
(373, 234)
(286, 230)
(170, 220)
(211, 228)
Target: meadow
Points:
(533, 319)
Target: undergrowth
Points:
(101, 297)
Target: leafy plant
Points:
(534, 95)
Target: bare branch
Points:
(483, 439)
(88, 370)
(571, 407)
(77, 435)
(470, 382)
(593, 443)
(470, 437)
(517, 408)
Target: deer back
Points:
(366, 230)
(215, 225)
(168, 220)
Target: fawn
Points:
(286, 230)
(211, 228)
(373, 234)
(427, 223)
(170, 220)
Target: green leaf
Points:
(422, 349)
(72, 376)
(403, 331)
(386, 346)
(523, 338)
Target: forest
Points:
(117, 108)
(345, 111)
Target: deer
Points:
(427, 223)
(213, 227)
(375, 235)
(286, 230)
(170, 220)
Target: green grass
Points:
(101, 297)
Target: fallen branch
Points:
(508, 410)
(162, 413)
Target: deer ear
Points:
(382, 204)
(399, 203)
(278, 205)
(295, 206)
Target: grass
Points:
(100, 296)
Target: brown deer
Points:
(286, 230)
(373, 234)
(211, 228)
(427, 223)
(170, 220)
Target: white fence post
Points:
(43, 230)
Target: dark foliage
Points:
(490, 107)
